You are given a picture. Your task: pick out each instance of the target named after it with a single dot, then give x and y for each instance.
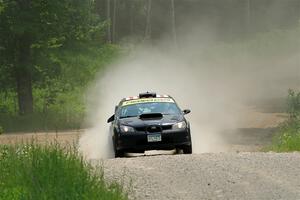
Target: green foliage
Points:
(1, 6)
(33, 35)
(1, 130)
(59, 100)
(293, 102)
(31, 171)
(50, 24)
(288, 136)
(62, 43)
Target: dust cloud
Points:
(220, 83)
(217, 96)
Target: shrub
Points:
(288, 136)
(293, 104)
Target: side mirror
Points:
(186, 111)
(112, 118)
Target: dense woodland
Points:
(51, 50)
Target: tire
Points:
(187, 149)
(178, 151)
(119, 154)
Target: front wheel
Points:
(119, 153)
(187, 149)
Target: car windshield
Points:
(145, 108)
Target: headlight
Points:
(126, 129)
(180, 125)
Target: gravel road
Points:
(209, 176)
(227, 175)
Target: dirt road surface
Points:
(239, 173)
(209, 176)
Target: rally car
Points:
(149, 122)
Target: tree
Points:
(108, 18)
(31, 29)
(114, 21)
(248, 16)
(148, 20)
(130, 6)
(174, 23)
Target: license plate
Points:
(154, 138)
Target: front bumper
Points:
(137, 142)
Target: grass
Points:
(32, 171)
(50, 121)
(288, 137)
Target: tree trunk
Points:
(148, 20)
(248, 17)
(114, 21)
(129, 6)
(174, 23)
(23, 76)
(108, 18)
(131, 9)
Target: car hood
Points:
(165, 120)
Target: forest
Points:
(50, 51)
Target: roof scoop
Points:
(147, 95)
(151, 116)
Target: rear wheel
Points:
(187, 149)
